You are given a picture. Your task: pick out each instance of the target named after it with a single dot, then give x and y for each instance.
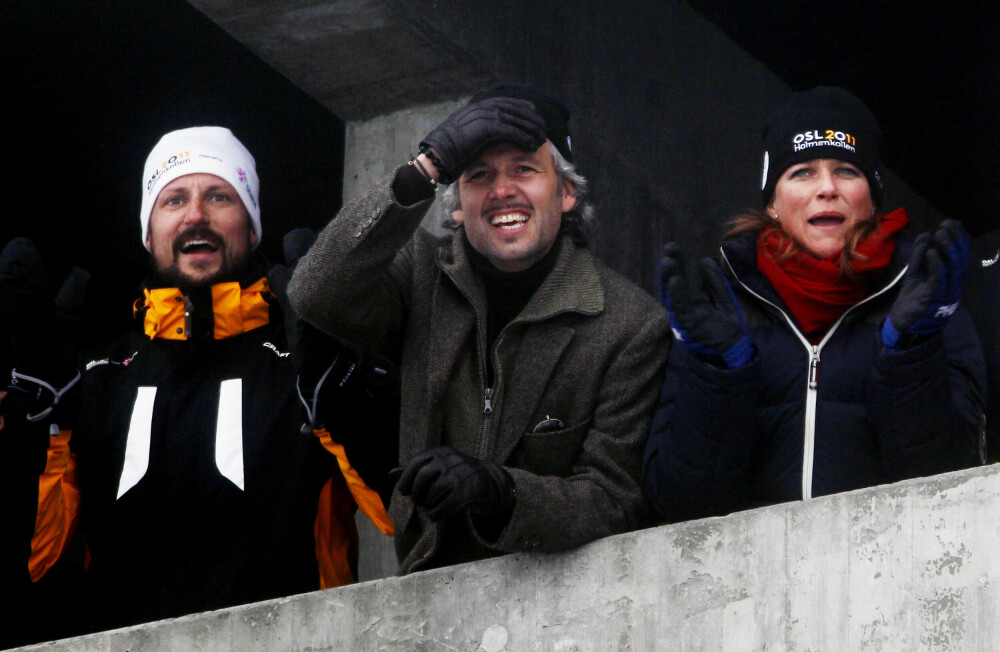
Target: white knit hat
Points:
(209, 150)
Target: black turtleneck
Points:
(507, 293)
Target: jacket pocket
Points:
(550, 453)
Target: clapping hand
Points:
(706, 320)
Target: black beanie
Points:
(825, 122)
(554, 112)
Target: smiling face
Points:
(511, 204)
(199, 231)
(820, 202)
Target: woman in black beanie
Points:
(826, 352)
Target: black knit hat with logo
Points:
(825, 122)
(554, 112)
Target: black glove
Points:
(43, 329)
(708, 322)
(444, 481)
(466, 131)
(297, 242)
(930, 291)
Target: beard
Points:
(169, 274)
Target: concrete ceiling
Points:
(931, 73)
(356, 57)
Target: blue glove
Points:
(708, 322)
(930, 291)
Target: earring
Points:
(775, 216)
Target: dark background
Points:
(89, 88)
(930, 71)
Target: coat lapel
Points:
(533, 363)
(536, 341)
(572, 287)
(451, 324)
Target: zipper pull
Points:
(814, 369)
(488, 408)
(188, 317)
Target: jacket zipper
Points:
(812, 374)
(481, 351)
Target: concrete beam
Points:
(359, 58)
(909, 566)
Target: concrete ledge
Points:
(909, 566)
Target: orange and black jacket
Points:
(188, 473)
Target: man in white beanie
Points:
(180, 449)
(200, 184)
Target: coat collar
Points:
(236, 310)
(573, 285)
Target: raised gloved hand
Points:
(707, 321)
(453, 142)
(931, 289)
(444, 481)
(42, 328)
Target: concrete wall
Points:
(666, 107)
(911, 566)
(666, 112)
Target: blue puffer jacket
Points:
(805, 420)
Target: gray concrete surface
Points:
(911, 566)
(666, 107)
(359, 58)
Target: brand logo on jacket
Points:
(946, 311)
(268, 345)
(103, 361)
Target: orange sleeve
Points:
(367, 499)
(58, 506)
(336, 535)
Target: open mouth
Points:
(509, 221)
(198, 246)
(826, 220)
(199, 240)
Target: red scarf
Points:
(813, 288)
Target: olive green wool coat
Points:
(588, 349)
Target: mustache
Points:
(197, 232)
(506, 205)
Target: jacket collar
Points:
(573, 285)
(235, 310)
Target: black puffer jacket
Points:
(803, 420)
(982, 299)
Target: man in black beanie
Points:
(529, 369)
